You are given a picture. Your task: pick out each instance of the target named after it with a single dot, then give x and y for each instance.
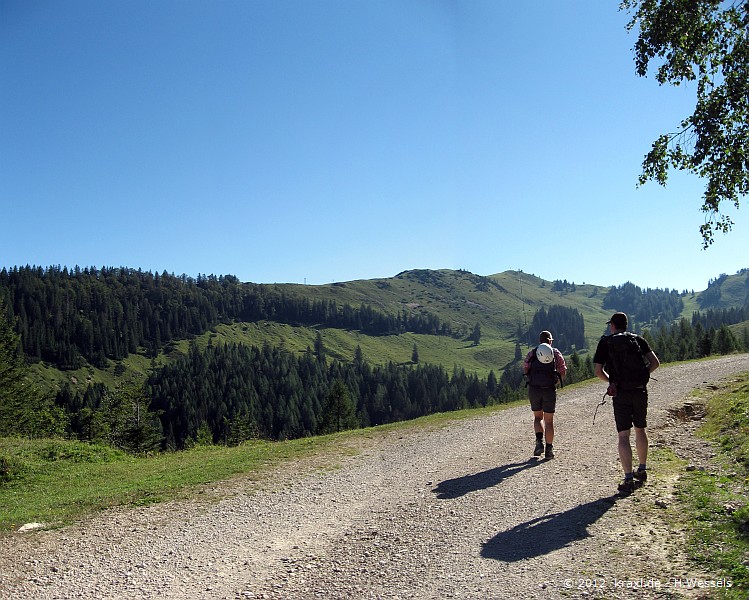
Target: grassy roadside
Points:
(712, 504)
(57, 482)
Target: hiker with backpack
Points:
(625, 361)
(543, 367)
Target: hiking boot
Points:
(549, 452)
(641, 476)
(626, 487)
(539, 450)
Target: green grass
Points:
(718, 530)
(728, 421)
(57, 482)
(490, 354)
(713, 502)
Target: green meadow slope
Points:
(502, 304)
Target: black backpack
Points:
(626, 364)
(542, 374)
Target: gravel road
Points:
(458, 512)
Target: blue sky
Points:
(314, 141)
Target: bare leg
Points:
(549, 427)
(538, 417)
(625, 451)
(641, 443)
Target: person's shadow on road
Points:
(460, 486)
(546, 533)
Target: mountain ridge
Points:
(503, 305)
(237, 358)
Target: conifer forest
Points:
(227, 393)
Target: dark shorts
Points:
(630, 408)
(543, 398)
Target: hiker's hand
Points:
(611, 391)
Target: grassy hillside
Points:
(502, 304)
(726, 291)
(499, 303)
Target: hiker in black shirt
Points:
(625, 360)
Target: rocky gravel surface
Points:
(462, 511)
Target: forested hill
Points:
(236, 360)
(89, 315)
(71, 318)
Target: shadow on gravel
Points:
(546, 533)
(460, 486)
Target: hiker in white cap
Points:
(544, 367)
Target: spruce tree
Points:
(12, 377)
(476, 334)
(339, 412)
(23, 409)
(129, 424)
(319, 347)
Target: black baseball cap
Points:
(619, 320)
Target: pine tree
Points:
(319, 347)
(725, 342)
(23, 409)
(476, 334)
(339, 412)
(129, 424)
(12, 377)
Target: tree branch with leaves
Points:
(707, 42)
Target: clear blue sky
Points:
(330, 140)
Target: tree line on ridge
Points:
(70, 317)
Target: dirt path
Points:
(461, 512)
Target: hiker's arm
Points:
(527, 363)
(600, 373)
(560, 364)
(653, 362)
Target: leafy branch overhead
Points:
(705, 41)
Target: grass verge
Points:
(57, 482)
(713, 501)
